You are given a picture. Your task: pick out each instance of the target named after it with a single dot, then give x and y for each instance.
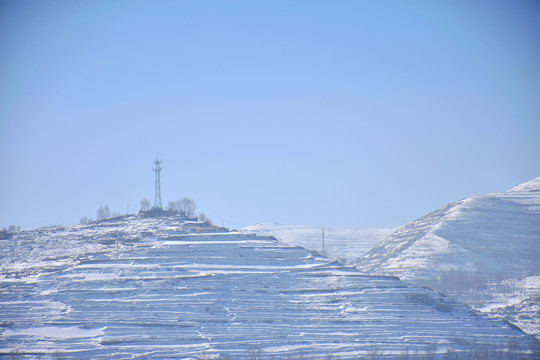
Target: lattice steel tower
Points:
(157, 197)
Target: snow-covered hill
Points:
(529, 186)
(483, 250)
(163, 288)
(344, 245)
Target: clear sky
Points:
(327, 113)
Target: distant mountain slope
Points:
(484, 250)
(529, 186)
(341, 244)
(189, 294)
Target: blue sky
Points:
(326, 113)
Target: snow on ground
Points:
(183, 294)
(62, 246)
(529, 186)
(340, 244)
(516, 292)
(55, 332)
(483, 250)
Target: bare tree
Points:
(145, 204)
(103, 213)
(85, 220)
(172, 206)
(100, 215)
(4, 234)
(186, 206)
(205, 219)
(13, 228)
(202, 217)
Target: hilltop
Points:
(482, 250)
(169, 288)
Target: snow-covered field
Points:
(31, 252)
(160, 288)
(483, 251)
(344, 245)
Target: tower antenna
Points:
(157, 196)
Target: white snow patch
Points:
(71, 332)
(341, 244)
(533, 185)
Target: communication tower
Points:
(157, 197)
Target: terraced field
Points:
(232, 296)
(345, 245)
(483, 251)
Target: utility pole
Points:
(323, 242)
(157, 196)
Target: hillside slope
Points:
(483, 250)
(162, 288)
(340, 244)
